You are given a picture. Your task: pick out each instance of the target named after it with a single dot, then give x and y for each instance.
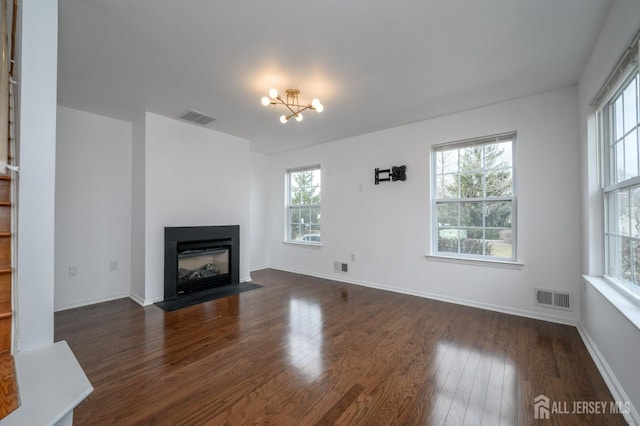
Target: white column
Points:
(37, 78)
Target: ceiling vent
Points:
(196, 117)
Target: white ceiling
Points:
(373, 64)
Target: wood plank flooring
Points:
(303, 350)
(8, 385)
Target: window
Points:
(303, 205)
(473, 198)
(619, 131)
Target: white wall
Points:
(93, 208)
(138, 210)
(258, 212)
(387, 226)
(36, 114)
(193, 177)
(609, 335)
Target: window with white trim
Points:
(473, 198)
(619, 131)
(303, 204)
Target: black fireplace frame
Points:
(173, 236)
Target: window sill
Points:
(476, 262)
(622, 300)
(303, 243)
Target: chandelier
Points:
(292, 103)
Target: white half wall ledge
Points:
(51, 384)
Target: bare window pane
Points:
(630, 106)
(612, 204)
(450, 161)
(446, 186)
(502, 246)
(623, 211)
(447, 214)
(631, 155)
(635, 212)
(625, 253)
(499, 183)
(470, 245)
(314, 195)
(448, 241)
(636, 262)
(619, 162)
(471, 185)
(471, 159)
(618, 114)
(471, 214)
(295, 232)
(498, 214)
(316, 177)
(295, 216)
(498, 155)
(447, 162)
(314, 215)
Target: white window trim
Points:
(287, 206)
(479, 260)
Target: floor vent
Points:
(553, 299)
(341, 267)
(196, 117)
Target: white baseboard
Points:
(257, 268)
(139, 300)
(90, 302)
(616, 389)
(427, 295)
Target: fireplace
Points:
(200, 257)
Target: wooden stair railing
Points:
(5, 264)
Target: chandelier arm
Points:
(287, 105)
(305, 108)
(291, 109)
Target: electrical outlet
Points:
(73, 271)
(113, 265)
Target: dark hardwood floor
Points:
(303, 350)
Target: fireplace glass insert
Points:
(203, 264)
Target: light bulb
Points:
(265, 101)
(299, 117)
(319, 107)
(283, 119)
(273, 93)
(315, 102)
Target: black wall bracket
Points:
(395, 173)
